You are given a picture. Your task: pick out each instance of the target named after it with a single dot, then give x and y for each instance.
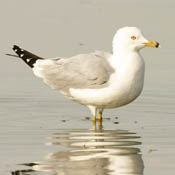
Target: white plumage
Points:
(98, 80)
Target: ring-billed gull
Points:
(98, 80)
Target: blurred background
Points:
(30, 111)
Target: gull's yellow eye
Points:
(133, 37)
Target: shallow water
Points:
(94, 151)
(41, 132)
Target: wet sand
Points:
(40, 128)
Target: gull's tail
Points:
(28, 57)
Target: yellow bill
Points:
(151, 43)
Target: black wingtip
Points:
(18, 51)
(28, 57)
(8, 54)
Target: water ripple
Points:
(95, 152)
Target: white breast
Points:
(124, 86)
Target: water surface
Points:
(40, 128)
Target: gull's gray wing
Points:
(81, 71)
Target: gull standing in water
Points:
(98, 80)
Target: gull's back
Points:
(82, 71)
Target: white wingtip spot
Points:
(16, 50)
(28, 59)
(21, 55)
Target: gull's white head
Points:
(131, 38)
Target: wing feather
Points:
(81, 71)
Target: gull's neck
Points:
(123, 56)
(117, 48)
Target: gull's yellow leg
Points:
(94, 118)
(100, 125)
(93, 110)
(94, 122)
(99, 117)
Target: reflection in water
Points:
(95, 152)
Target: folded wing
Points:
(81, 71)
